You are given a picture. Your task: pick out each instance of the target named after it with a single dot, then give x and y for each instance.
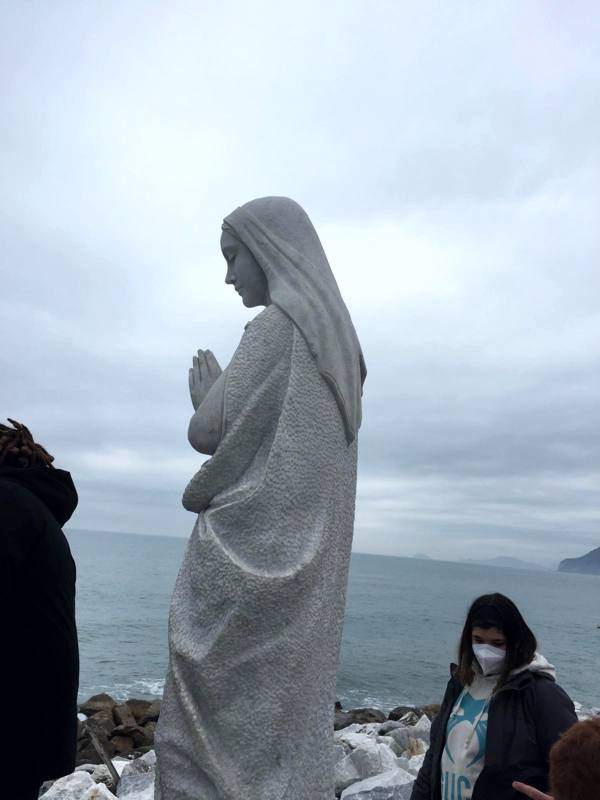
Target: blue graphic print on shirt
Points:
(453, 786)
(464, 751)
(471, 710)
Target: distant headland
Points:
(589, 564)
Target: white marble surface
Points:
(257, 613)
(258, 607)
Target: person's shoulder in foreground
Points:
(34, 497)
(574, 765)
(37, 609)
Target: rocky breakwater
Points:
(125, 729)
(136, 781)
(377, 755)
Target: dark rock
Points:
(337, 706)
(362, 716)
(400, 711)
(366, 715)
(124, 715)
(81, 730)
(101, 721)
(86, 753)
(430, 710)
(122, 744)
(150, 728)
(99, 702)
(138, 707)
(100, 727)
(144, 737)
(341, 719)
(108, 748)
(141, 737)
(124, 730)
(151, 714)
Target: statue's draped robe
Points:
(256, 616)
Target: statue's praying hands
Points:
(203, 374)
(206, 390)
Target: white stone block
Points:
(424, 722)
(345, 774)
(394, 784)
(78, 786)
(389, 725)
(413, 740)
(99, 792)
(119, 764)
(401, 736)
(414, 764)
(422, 729)
(339, 752)
(392, 744)
(137, 779)
(368, 759)
(372, 758)
(354, 739)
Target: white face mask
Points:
(491, 659)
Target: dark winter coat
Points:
(525, 717)
(39, 664)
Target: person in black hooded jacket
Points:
(39, 667)
(501, 713)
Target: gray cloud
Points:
(449, 158)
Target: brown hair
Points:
(575, 762)
(496, 611)
(18, 449)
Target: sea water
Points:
(403, 620)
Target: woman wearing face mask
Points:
(501, 713)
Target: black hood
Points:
(54, 487)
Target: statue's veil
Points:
(285, 244)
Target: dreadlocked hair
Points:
(18, 449)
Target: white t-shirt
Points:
(464, 751)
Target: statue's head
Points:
(274, 256)
(244, 272)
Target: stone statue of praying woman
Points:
(256, 616)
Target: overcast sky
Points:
(448, 154)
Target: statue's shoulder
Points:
(271, 321)
(270, 334)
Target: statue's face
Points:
(244, 272)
